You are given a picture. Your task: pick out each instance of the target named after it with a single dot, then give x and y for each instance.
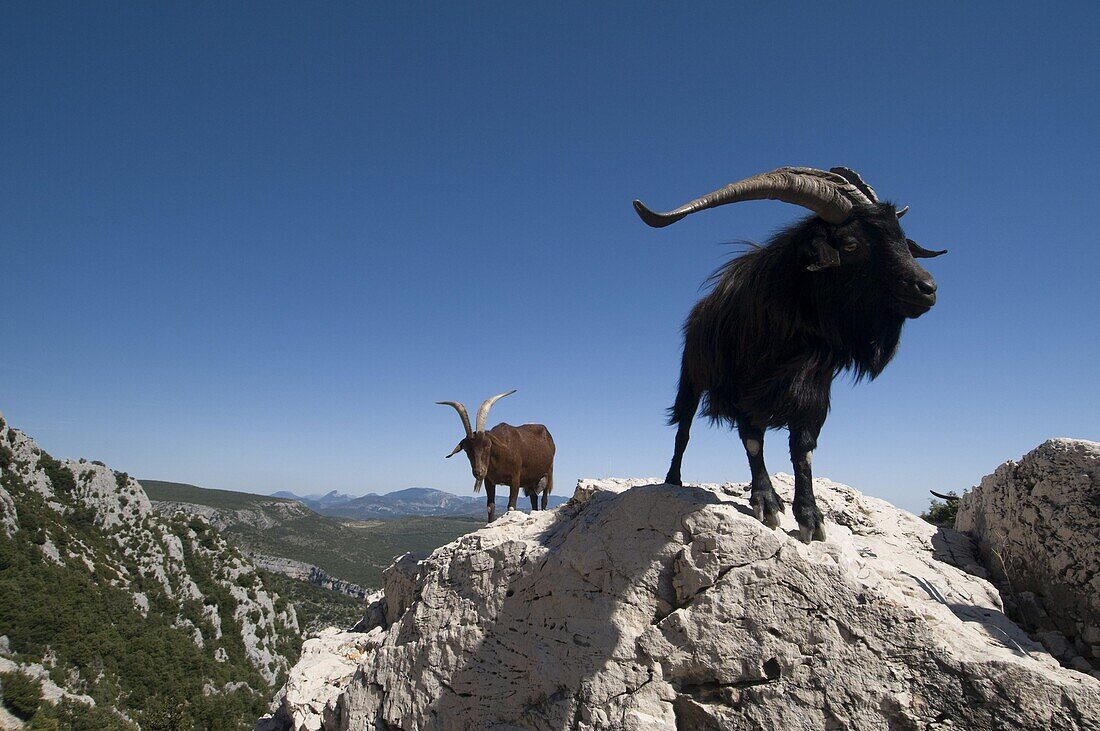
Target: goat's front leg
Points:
(513, 496)
(491, 499)
(811, 526)
(534, 498)
(765, 503)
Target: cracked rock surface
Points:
(1037, 526)
(649, 606)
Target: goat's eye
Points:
(851, 246)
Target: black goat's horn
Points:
(902, 211)
(853, 177)
(462, 413)
(948, 498)
(830, 195)
(483, 412)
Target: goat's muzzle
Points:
(916, 295)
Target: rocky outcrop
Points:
(306, 572)
(1037, 525)
(328, 663)
(657, 607)
(264, 515)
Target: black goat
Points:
(518, 456)
(828, 294)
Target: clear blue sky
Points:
(249, 245)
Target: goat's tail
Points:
(687, 399)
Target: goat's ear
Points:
(919, 252)
(822, 255)
(457, 449)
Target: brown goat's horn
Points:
(829, 195)
(461, 412)
(483, 412)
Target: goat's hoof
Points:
(766, 507)
(770, 519)
(808, 533)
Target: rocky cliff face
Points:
(306, 572)
(263, 516)
(647, 606)
(77, 534)
(1037, 525)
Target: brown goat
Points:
(518, 456)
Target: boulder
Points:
(649, 606)
(1036, 523)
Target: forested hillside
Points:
(123, 616)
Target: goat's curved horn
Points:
(853, 177)
(483, 412)
(902, 211)
(461, 412)
(827, 194)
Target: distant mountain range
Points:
(422, 501)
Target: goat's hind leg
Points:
(811, 526)
(549, 486)
(766, 504)
(683, 412)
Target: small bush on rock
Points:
(942, 512)
(22, 693)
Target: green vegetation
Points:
(358, 555)
(316, 607)
(942, 512)
(22, 694)
(355, 551)
(180, 492)
(87, 623)
(60, 477)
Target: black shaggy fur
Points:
(781, 321)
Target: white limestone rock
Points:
(660, 607)
(303, 571)
(265, 515)
(327, 665)
(1037, 525)
(9, 517)
(117, 498)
